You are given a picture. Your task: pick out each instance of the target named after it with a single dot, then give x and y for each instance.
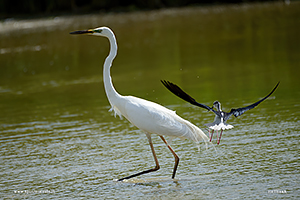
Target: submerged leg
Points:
(175, 156)
(149, 170)
(211, 135)
(219, 139)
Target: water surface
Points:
(58, 139)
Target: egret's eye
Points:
(97, 30)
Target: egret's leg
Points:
(219, 139)
(175, 156)
(211, 135)
(149, 170)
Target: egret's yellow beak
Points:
(89, 31)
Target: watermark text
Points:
(277, 191)
(34, 191)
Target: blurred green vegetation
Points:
(36, 8)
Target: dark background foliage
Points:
(30, 8)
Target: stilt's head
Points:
(100, 31)
(217, 105)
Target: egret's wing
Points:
(239, 111)
(181, 94)
(154, 118)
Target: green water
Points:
(57, 136)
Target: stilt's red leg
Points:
(219, 139)
(211, 135)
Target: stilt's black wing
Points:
(239, 111)
(181, 94)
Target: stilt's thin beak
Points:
(90, 31)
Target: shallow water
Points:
(58, 139)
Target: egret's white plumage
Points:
(154, 118)
(148, 116)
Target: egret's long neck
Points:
(111, 93)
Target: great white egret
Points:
(148, 116)
(220, 116)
